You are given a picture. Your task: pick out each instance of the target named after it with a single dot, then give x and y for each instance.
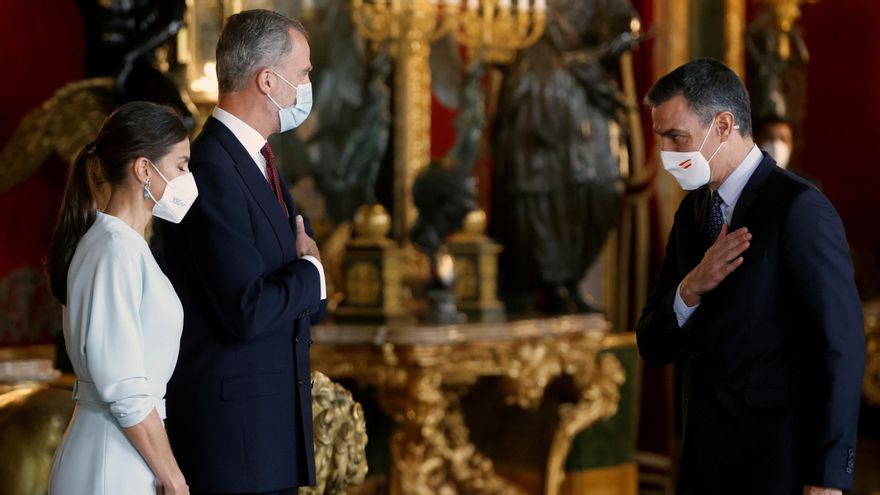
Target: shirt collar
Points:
(252, 140)
(733, 186)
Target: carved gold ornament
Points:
(340, 438)
(63, 124)
(422, 372)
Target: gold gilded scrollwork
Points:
(32, 424)
(340, 438)
(599, 385)
(422, 372)
(63, 124)
(532, 367)
(431, 449)
(871, 382)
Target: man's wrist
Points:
(689, 297)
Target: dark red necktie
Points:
(272, 175)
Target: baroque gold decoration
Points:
(734, 36)
(409, 26)
(599, 385)
(32, 424)
(786, 13)
(333, 248)
(197, 43)
(422, 371)
(63, 124)
(431, 452)
(363, 284)
(476, 270)
(371, 270)
(340, 438)
(372, 225)
(486, 26)
(33, 421)
(871, 383)
(491, 29)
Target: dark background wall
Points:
(41, 49)
(840, 131)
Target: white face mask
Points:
(690, 168)
(293, 116)
(180, 193)
(779, 150)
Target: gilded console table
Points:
(422, 372)
(871, 380)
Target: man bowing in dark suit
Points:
(249, 276)
(756, 298)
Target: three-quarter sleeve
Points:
(114, 347)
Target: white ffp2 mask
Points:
(690, 168)
(180, 194)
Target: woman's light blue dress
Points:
(122, 326)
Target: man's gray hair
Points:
(251, 40)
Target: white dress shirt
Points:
(253, 143)
(252, 140)
(730, 190)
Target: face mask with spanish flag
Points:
(690, 168)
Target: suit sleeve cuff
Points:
(320, 268)
(683, 312)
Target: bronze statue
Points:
(556, 184)
(778, 56)
(367, 142)
(443, 192)
(349, 141)
(470, 120)
(121, 40)
(446, 191)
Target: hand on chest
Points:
(274, 238)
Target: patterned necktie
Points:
(716, 219)
(272, 176)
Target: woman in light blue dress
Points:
(122, 319)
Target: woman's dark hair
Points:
(134, 130)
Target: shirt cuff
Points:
(320, 268)
(129, 400)
(683, 312)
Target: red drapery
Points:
(43, 49)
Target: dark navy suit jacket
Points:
(239, 402)
(774, 356)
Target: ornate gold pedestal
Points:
(871, 382)
(371, 271)
(476, 271)
(422, 372)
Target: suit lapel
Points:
(750, 193)
(701, 214)
(255, 182)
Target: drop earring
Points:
(147, 189)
